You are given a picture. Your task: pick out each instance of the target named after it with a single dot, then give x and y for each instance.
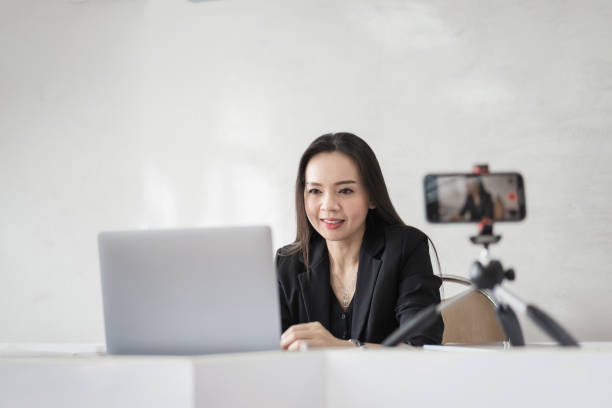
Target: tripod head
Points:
(487, 274)
(491, 275)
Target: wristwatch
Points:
(358, 343)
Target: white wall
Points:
(135, 114)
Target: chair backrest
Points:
(472, 319)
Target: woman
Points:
(355, 271)
(478, 202)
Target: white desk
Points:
(532, 377)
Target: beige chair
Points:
(472, 319)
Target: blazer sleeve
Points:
(286, 318)
(418, 288)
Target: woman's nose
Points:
(330, 203)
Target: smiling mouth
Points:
(332, 220)
(332, 223)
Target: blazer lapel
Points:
(315, 291)
(367, 273)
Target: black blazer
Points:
(394, 282)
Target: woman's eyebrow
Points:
(314, 183)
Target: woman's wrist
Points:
(344, 343)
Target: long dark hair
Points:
(365, 159)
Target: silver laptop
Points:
(189, 291)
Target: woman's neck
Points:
(344, 255)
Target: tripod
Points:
(488, 275)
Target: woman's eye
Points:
(314, 191)
(346, 191)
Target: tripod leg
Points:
(543, 320)
(510, 324)
(552, 328)
(422, 320)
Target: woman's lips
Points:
(332, 223)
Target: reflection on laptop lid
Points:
(189, 291)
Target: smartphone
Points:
(469, 197)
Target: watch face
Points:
(357, 343)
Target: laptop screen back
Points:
(191, 291)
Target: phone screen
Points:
(472, 197)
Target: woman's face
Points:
(472, 186)
(335, 198)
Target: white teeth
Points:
(332, 222)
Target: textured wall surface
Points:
(147, 114)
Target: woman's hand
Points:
(314, 334)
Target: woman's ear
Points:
(371, 206)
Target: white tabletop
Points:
(482, 376)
